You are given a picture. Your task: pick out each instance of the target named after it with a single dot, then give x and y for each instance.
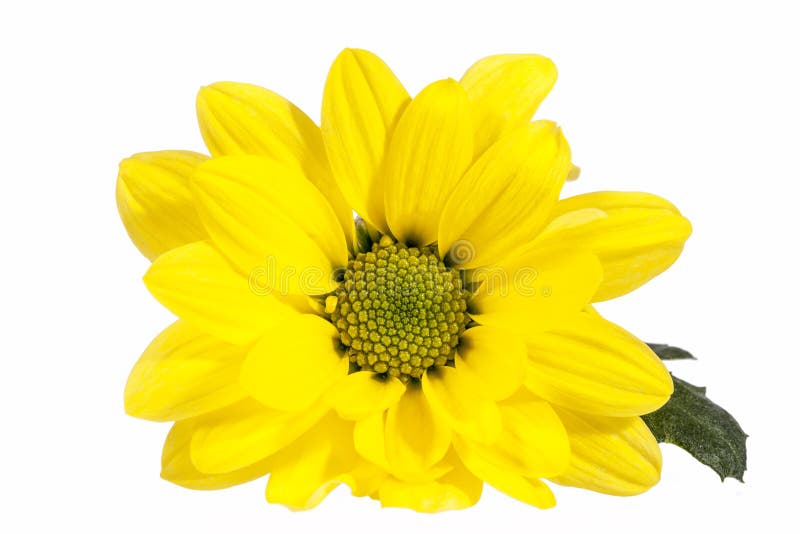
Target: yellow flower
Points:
(444, 340)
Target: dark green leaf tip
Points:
(668, 352)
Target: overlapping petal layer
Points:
(243, 119)
(636, 236)
(183, 373)
(155, 201)
(360, 106)
(249, 206)
(197, 284)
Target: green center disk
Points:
(400, 311)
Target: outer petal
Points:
(527, 490)
(267, 219)
(505, 91)
(362, 394)
(246, 433)
(308, 470)
(493, 358)
(505, 198)
(610, 200)
(533, 442)
(591, 365)
(416, 437)
(177, 466)
(618, 456)
(198, 285)
(535, 292)
(294, 364)
(155, 202)
(636, 236)
(361, 103)
(459, 400)
(183, 373)
(241, 119)
(429, 152)
(456, 490)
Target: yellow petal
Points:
(305, 472)
(155, 202)
(184, 372)
(458, 400)
(429, 152)
(456, 490)
(294, 363)
(610, 200)
(416, 437)
(198, 285)
(613, 455)
(369, 437)
(361, 102)
(493, 358)
(177, 466)
(362, 394)
(591, 365)
(535, 292)
(528, 490)
(266, 218)
(533, 442)
(505, 91)
(242, 119)
(505, 198)
(246, 433)
(636, 236)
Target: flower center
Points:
(400, 310)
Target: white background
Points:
(696, 102)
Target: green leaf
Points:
(692, 422)
(668, 352)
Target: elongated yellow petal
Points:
(459, 400)
(636, 236)
(369, 438)
(505, 198)
(155, 202)
(535, 292)
(294, 363)
(183, 373)
(494, 358)
(528, 490)
(455, 490)
(614, 455)
(360, 105)
(429, 152)
(310, 468)
(592, 365)
(246, 433)
(198, 285)
(505, 91)
(416, 437)
(242, 119)
(533, 442)
(610, 200)
(269, 220)
(177, 466)
(362, 394)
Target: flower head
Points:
(442, 339)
